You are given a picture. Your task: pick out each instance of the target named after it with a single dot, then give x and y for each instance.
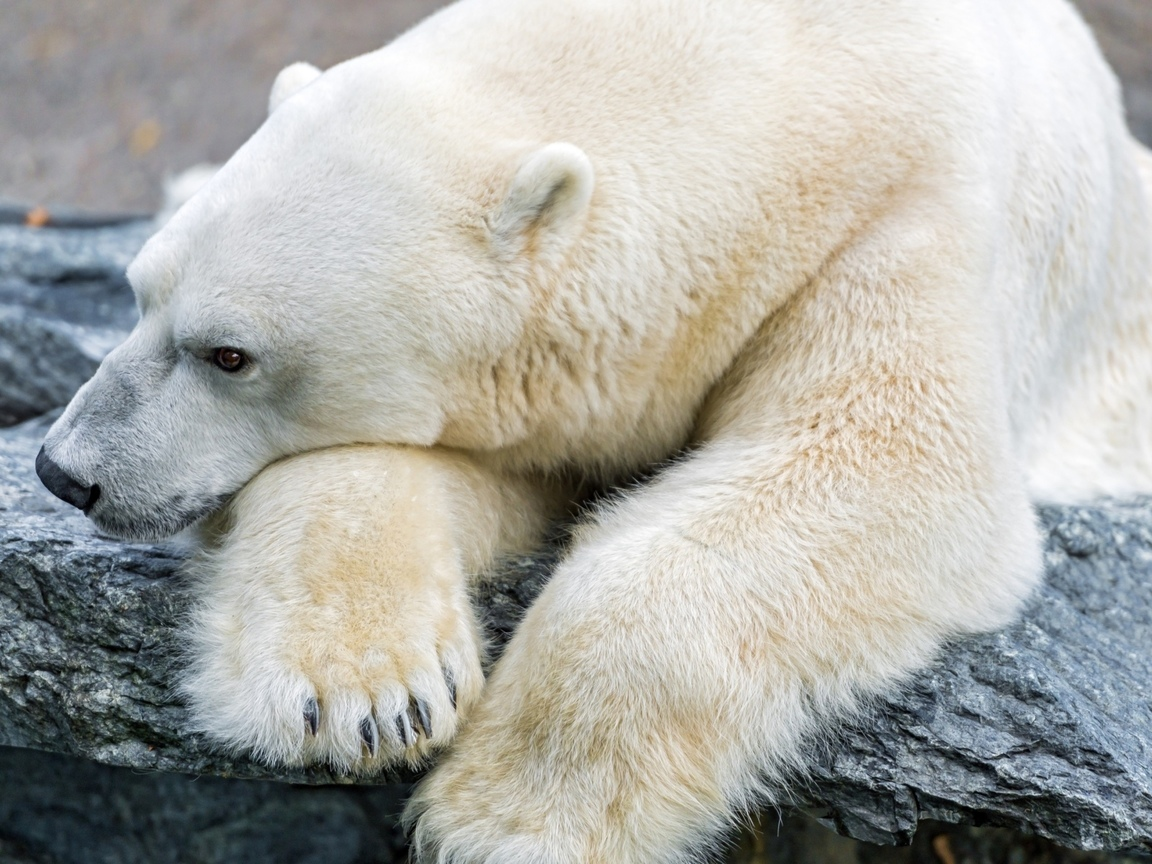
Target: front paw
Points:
(330, 631)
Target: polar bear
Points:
(849, 284)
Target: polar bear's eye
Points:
(229, 359)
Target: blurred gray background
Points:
(102, 98)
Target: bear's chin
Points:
(160, 524)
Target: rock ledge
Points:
(1046, 726)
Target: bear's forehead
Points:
(340, 179)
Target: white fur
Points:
(291, 80)
(879, 272)
(547, 201)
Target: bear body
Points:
(854, 282)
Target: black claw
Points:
(312, 715)
(370, 735)
(404, 729)
(423, 718)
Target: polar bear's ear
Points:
(546, 202)
(291, 80)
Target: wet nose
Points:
(64, 487)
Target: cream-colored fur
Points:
(352, 601)
(872, 275)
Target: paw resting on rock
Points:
(316, 641)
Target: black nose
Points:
(63, 486)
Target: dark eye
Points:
(229, 359)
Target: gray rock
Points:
(1046, 726)
(64, 303)
(62, 810)
(41, 365)
(58, 256)
(66, 811)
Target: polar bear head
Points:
(333, 283)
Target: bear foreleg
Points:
(332, 622)
(851, 505)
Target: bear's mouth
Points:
(171, 518)
(93, 497)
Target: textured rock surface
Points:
(1046, 726)
(68, 811)
(65, 811)
(63, 305)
